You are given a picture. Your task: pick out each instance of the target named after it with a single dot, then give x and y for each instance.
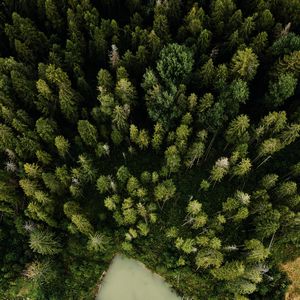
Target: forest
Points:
(165, 130)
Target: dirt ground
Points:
(293, 270)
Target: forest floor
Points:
(293, 270)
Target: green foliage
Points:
(244, 63)
(281, 90)
(87, 132)
(237, 130)
(44, 242)
(62, 145)
(165, 191)
(145, 127)
(82, 224)
(175, 63)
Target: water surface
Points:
(128, 279)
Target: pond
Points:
(128, 279)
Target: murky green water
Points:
(127, 279)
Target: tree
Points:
(290, 134)
(82, 224)
(52, 183)
(68, 99)
(98, 242)
(173, 160)
(105, 81)
(24, 32)
(46, 128)
(62, 145)
(103, 184)
(161, 26)
(130, 216)
(32, 170)
(125, 91)
(222, 10)
(286, 189)
(134, 133)
(53, 15)
(87, 132)
(196, 217)
(244, 64)
(132, 185)
(242, 168)
(237, 130)
(229, 271)
(123, 174)
(43, 157)
(182, 134)
(290, 63)
(281, 89)
(175, 63)
(143, 139)
(208, 258)
(256, 251)
(7, 138)
(194, 207)
(121, 114)
(38, 271)
(269, 181)
(44, 242)
(88, 172)
(158, 135)
(207, 73)
(165, 191)
(114, 56)
(269, 147)
(194, 153)
(159, 100)
(29, 187)
(220, 169)
(272, 123)
(267, 222)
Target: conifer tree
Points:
(87, 132)
(44, 242)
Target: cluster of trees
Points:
(165, 129)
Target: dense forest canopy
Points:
(166, 130)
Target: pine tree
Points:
(87, 132)
(82, 224)
(175, 63)
(280, 90)
(164, 191)
(220, 169)
(269, 181)
(125, 91)
(103, 184)
(173, 160)
(237, 130)
(46, 128)
(242, 168)
(257, 251)
(208, 258)
(98, 242)
(68, 99)
(245, 63)
(62, 145)
(158, 135)
(44, 242)
(6, 137)
(290, 134)
(229, 271)
(182, 134)
(121, 114)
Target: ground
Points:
(293, 270)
